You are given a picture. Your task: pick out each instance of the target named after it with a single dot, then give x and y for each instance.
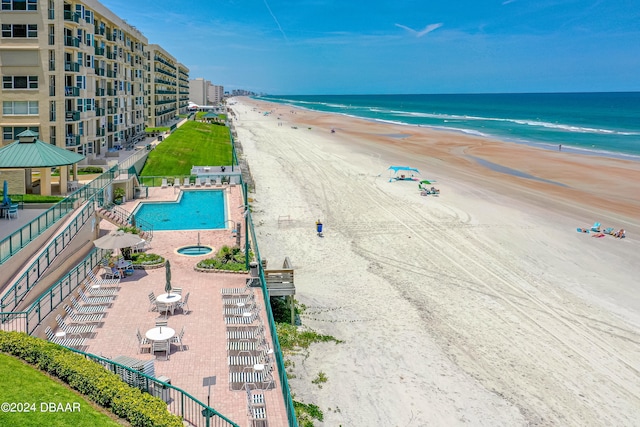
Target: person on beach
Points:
(560, 147)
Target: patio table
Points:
(160, 333)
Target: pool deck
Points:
(205, 329)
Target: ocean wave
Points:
(535, 123)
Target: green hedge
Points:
(91, 379)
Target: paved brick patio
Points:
(205, 330)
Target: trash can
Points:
(162, 391)
(253, 269)
(319, 227)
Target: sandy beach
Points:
(480, 306)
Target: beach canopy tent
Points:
(402, 173)
(29, 152)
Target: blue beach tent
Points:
(403, 173)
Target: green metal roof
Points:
(30, 152)
(210, 115)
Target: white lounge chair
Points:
(176, 182)
(186, 182)
(207, 182)
(164, 183)
(198, 183)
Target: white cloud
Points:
(429, 28)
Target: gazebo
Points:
(28, 152)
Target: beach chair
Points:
(94, 280)
(176, 182)
(62, 340)
(186, 182)
(98, 291)
(207, 182)
(164, 183)
(198, 183)
(74, 329)
(596, 227)
(13, 211)
(87, 308)
(87, 300)
(83, 318)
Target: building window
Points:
(52, 35)
(52, 60)
(19, 30)
(19, 4)
(52, 85)
(52, 135)
(52, 111)
(11, 133)
(20, 108)
(20, 82)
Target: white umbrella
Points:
(117, 240)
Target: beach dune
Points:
(480, 306)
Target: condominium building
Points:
(202, 92)
(167, 86)
(81, 76)
(216, 93)
(199, 91)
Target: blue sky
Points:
(403, 46)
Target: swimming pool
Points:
(194, 210)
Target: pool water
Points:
(194, 210)
(194, 250)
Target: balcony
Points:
(111, 127)
(99, 51)
(72, 140)
(111, 92)
(71, 91)
(99, 111)
(100, 132)
(110, 55)
(72, 116)
(99, 91)
(98, 31)
(72, 66)
(112, 110)
(70, 16)
(100, 71)
(110, 73)
(71, 41)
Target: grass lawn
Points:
(29, 388)
(192, 144)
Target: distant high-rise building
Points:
(199, 91)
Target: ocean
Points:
(592, 123)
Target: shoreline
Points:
(481, 306)
(474, 133)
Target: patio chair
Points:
(207, 182)
(74, 329)
(178, 339)
(184, 303)
(83, 318)
(161, 346)
(13, 211)
(162, 322)
(186, 182)
(143, 342)
(176, 182)
(164, 183)
(198, 183)
(152, 300)
(176, 291)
